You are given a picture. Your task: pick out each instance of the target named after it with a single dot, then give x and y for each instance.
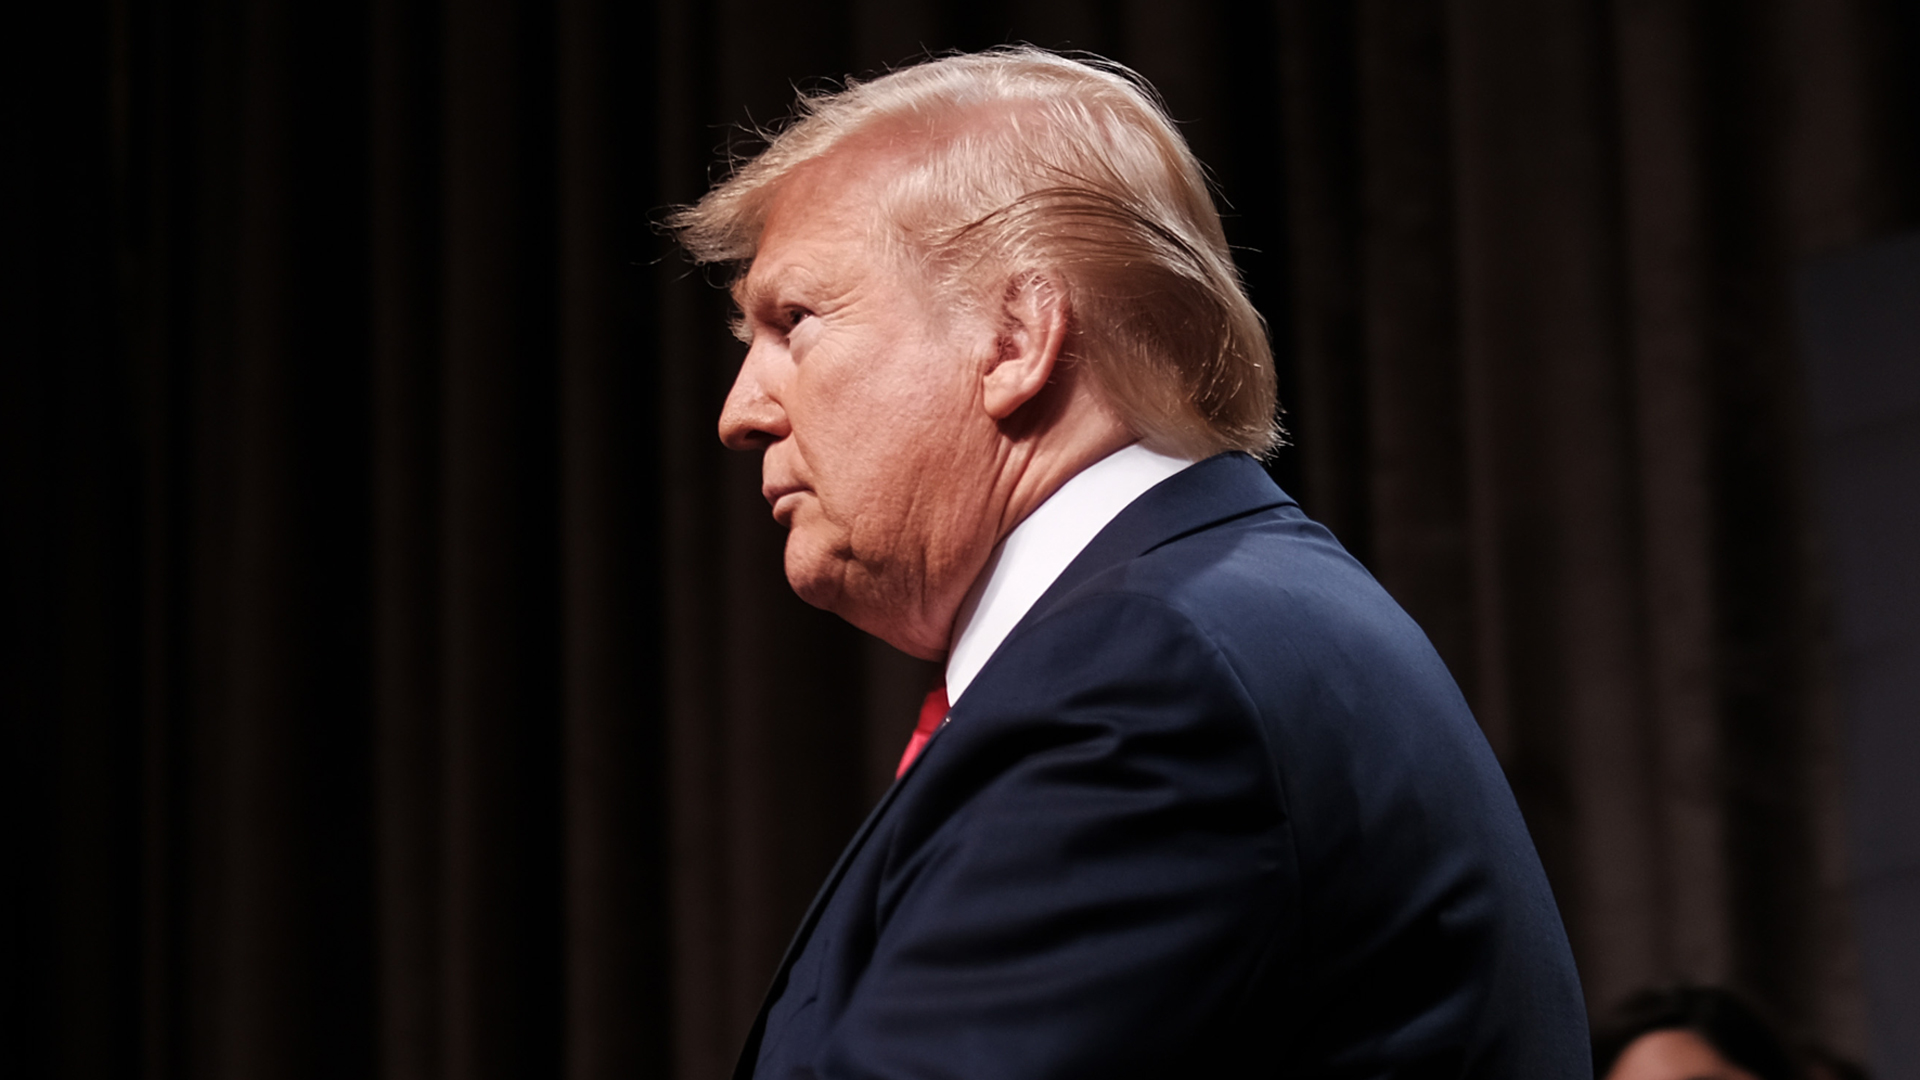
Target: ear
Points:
(1033, 330)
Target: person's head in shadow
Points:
(1689, 1033)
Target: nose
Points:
(752, 418)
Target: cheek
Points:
(856, 431)
(883, 426)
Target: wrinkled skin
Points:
(904, 435)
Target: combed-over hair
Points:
(1026, 161)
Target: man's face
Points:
(865, 394)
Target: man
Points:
(1206, 803)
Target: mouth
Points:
(783, 499)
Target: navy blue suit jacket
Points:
(1215, 808)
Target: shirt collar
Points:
(1035, 553)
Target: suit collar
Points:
(1029, 559)
(1220, 488)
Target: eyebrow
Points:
(743, 293)
(746, 297)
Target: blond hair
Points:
(1030, 162)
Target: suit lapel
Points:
(750, 1053)
(1215, 490)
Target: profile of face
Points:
(1674, 1054)
(865, 393)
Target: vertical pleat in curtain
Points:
(373, 782)
(401, 681)
(1541, 257)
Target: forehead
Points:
(827, 213)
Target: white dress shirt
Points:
(1038, 550)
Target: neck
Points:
(1063, 431)
(1035, 462)
(1035, 473)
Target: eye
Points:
(795, 316)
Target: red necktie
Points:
(932, 711)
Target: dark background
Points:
(399, 679)
(1859, 319)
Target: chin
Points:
(820, 580)
(813, 576)
(818, 594)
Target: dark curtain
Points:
(399, 679)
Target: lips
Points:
(783, 499)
